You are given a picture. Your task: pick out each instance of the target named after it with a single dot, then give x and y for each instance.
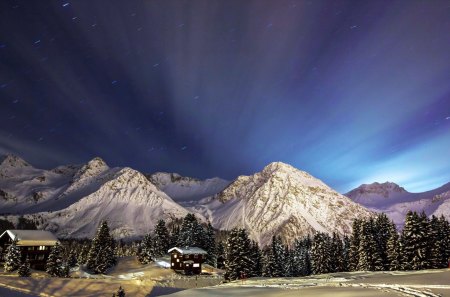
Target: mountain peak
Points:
(11, 160)
(385, 189)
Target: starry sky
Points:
(351, 91)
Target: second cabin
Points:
(187, 259)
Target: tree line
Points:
(374, 245)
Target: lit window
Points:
(196, 265)
(42, 248)
(175, 256)
(178, 260)
(173, 264)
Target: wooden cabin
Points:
(34, 244)
(187, 259)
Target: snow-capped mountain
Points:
(72, 200)
(187, 190)
(281, 200)
(395, 201)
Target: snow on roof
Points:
(188, 250)
(31, 237)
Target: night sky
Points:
(350, 91)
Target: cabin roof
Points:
(31, 237)
(188, 250)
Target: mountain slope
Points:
(281, 200)
(395, 201)
(186, 190)
(72, 200)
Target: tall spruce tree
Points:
(146, 252)
(337, 252)
(102, 253)
(414, 242)
(393, 250)
(210, 245)
(220, 251)
(189, 233)
(161, 239)
(369, 256)
(354, 245)
(345, 253)
(12, 257)
(382, 228)
(321, 253)
(54, 263)
(257, 261)
(238, 258)
(274, 258)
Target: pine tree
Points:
(369, 256)
(220, 251)
(336, 253)
(72, 259)
(354, 245)
(54, 261)
(102, 253)
(414, 241)
(393, 250)
(382, 233)
(345, 253)
(238, 259)
(256, 255)
(443, 243)
(174, 236)
(321, 253)
(24, 269)
(188, 233)
(161, 239)
(274, 258)
(210, 245)
(146, 252)
(82, 257)
(12, 257)
(288, 266)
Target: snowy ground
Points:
(430, 283)
(153, 280)
(138, 281)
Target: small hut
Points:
(187, 259)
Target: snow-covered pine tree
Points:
(210, 245)
(414, 241)
(72, 259)
(12, 257)
(161, 239)
(24, 268)
(443, 243)
(238, 258)
(188, 235)
(321, 253)
(174, 236)
(275, 260)
(255, 256)
(369, 257)
(345, 253)
(382, 227)
(336, 253)
(102, 253)
(146, 250)
(288, 266)
(393, 249)
(220, 251)
(354, 245)
(434, 240)
(82, 256)
(54, 262)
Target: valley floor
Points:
(152, 280)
